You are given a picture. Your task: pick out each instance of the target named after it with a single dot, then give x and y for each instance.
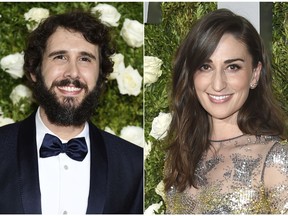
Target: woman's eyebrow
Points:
(233, 60)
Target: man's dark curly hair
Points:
(83, 22)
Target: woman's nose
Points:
(219, 81)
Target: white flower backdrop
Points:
(132, 32)
(108, 14)
(13, 65)
(34, 17)
(121, 107)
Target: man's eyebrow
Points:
(62, 52)
(88, 54)
(58, 52)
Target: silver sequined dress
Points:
(244, 175)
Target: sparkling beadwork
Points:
(244, 167)
(246, 175)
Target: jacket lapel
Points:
(98, 172)
(28, 166)
(29, 176)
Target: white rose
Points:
(132, 33)
(13, 64)
(5, 121)
(19, 92)
(147, 149)
(108, 14)
(118, 66)
(160, 189)
(129, 81)
(160, 125)
(133, 134)
(153, 208)
(109, 130)
(36, 15)
(152, 69)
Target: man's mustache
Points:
(66, 82)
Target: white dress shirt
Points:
(64, 182)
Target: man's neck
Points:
(63, 132)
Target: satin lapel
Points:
(28, 166)
(98, 172)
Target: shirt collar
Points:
(41, 130)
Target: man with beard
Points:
(56, 161)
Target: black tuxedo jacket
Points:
(116, 175)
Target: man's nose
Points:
(72, 69)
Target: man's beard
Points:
(68, 112)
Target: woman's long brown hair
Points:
(189, 131)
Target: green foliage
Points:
(115, 110)
(162, 41)
(280, 53)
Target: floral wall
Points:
(161, 42)
(120, 109)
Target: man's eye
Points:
(61, 57)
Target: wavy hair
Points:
(190, 129)
(83, 22)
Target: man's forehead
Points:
(66, 39)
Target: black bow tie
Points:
(75, 148)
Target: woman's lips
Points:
(219, 98)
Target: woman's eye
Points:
(205, 67)
(85, 59)
(233, 67)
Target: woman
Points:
(226, 154)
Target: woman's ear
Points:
(256, 73)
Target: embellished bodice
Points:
(247, 174)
